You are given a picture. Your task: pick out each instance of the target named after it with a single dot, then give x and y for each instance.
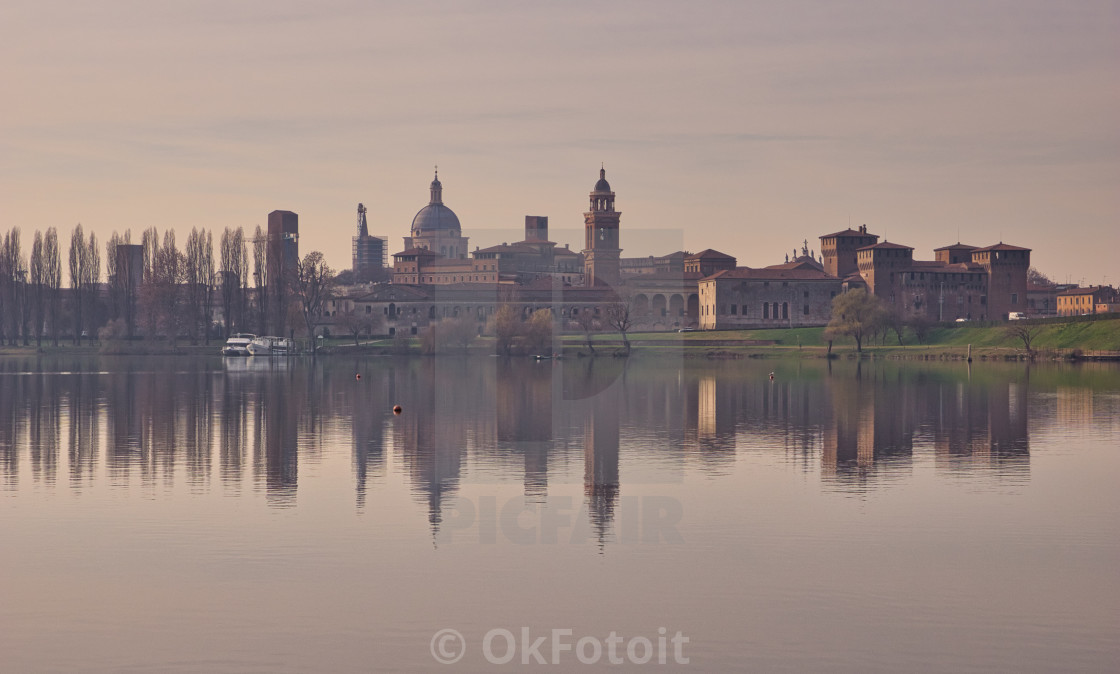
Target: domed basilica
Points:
(436, 228)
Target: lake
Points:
(194, 514)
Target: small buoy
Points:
(771, 376)
(396, 409)
(358, 377)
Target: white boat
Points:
(238, 345)
(271, 346)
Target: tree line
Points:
(153, 288)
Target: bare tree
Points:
(507, 326)
(921, 326)
(8, 309)
(20, 305)
(313, 283)
(260, 278)
(7, 281)
(1025, 334)
(590, 324)
(208, 275)
(91, 279)
(620, 315)
(356, 322)
(147, 295)
(457, 333)
(168, 275)
(52, 261)
(77, 277)
(538, 332)
(1036, 277)
(111, 275)
(193, 276)
(38, 282)
(229, 281)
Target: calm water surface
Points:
(198, 515)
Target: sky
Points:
(742, 126)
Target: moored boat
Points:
(238, 345)
(271, 346)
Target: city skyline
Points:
(746, 127)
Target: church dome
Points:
(435, 215)
(602, 185)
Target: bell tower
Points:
(601, 250)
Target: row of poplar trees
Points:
(177, 294)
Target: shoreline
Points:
(1095, 339)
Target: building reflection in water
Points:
(524, 412)
(369, 414)
(280, 429)
(431, 434)
(982, 425)
(972, 423)
(597, 389)
(150, 422)
(869, 434)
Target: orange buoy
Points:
(396, 409)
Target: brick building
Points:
(961, 282)
(781, 296)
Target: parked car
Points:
(1016, 316)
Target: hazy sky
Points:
(746, 126)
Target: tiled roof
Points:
(509, 248)
(385, 292)
(710, 254)
(956, 246)
(1090, 290)
(802, 262)
(415, 251)
(885, 246)
(999, 246)
(848, 232)
(667, 276)
(770, 274)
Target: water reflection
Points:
(155, 424)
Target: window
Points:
(733, 307)
(806, 311)
(1014, 298)
(806, 294)
(766, 310)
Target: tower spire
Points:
(437, 189)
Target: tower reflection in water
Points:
(158, 424)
